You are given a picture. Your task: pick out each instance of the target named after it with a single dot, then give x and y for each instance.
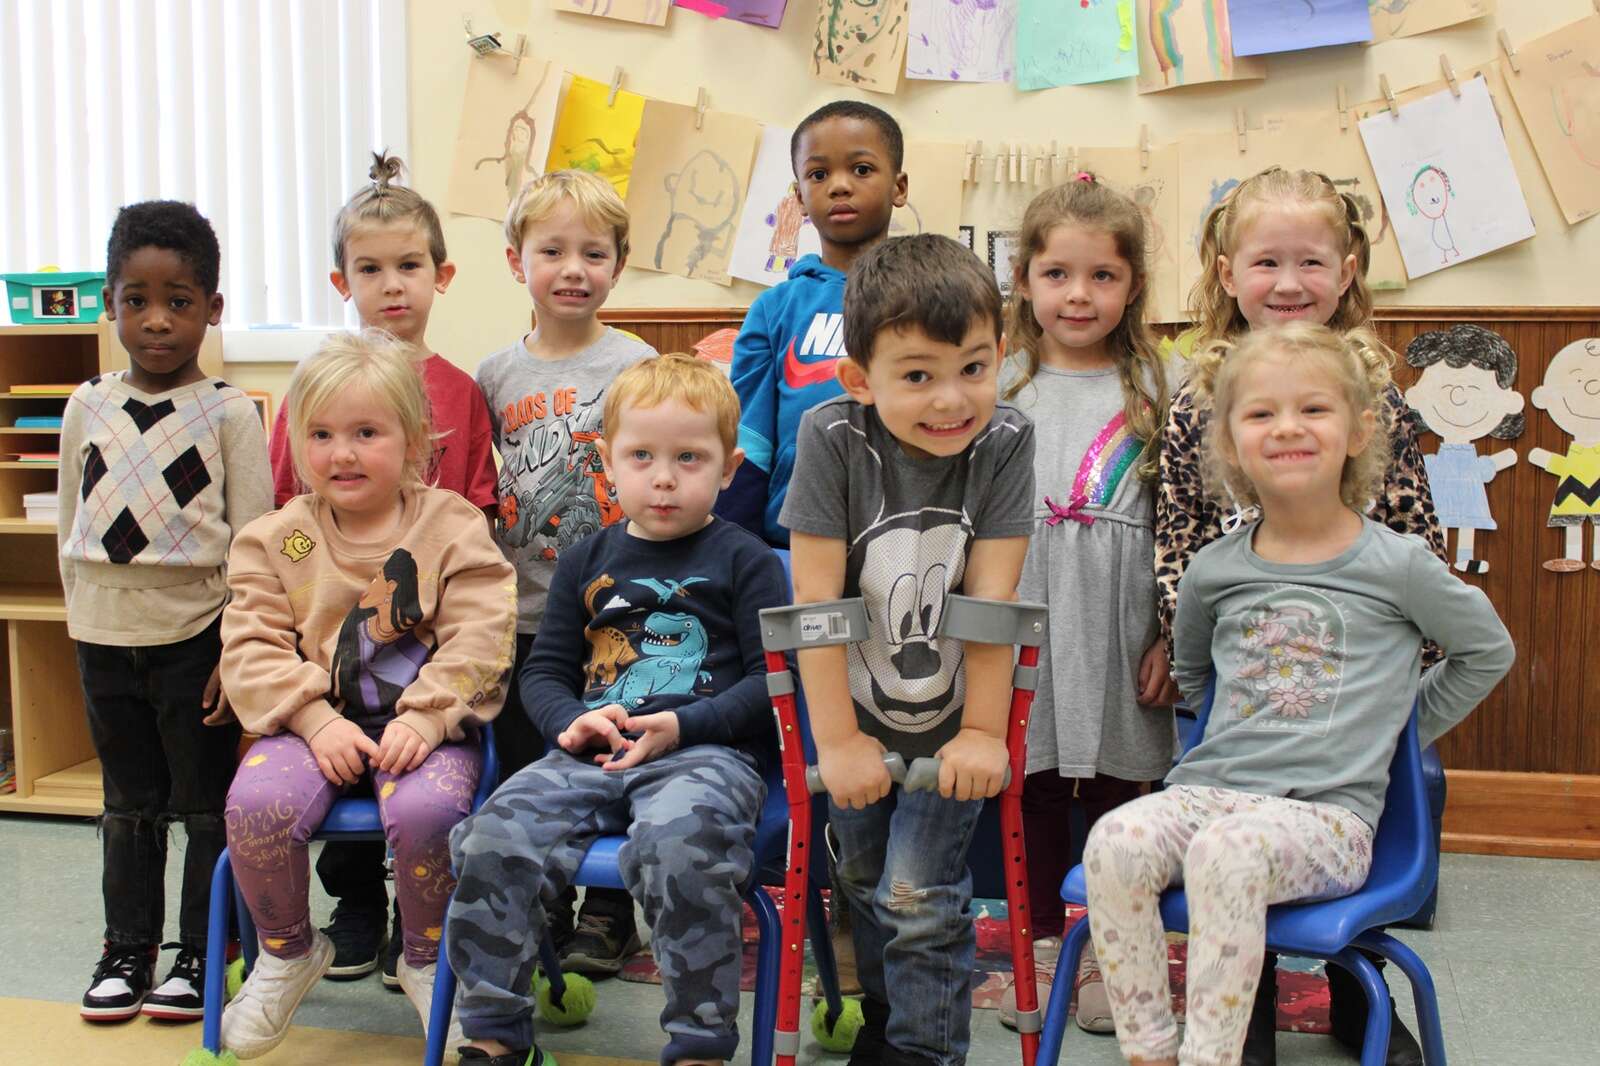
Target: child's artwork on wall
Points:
(1466, 391)
(860, 43)
(1002, 259)
(507, 119)
(1188, 42)
(1075, 43)
(773, 231)
(595, 136)
(649, 12)
(961, 40)
(687, 189)
(1447, 178)
(1213, 166)
(1155, 189)
(1261, 27)
(768, 13)
(1407, 18)
(1557, 90)
(933, 200)
(1570, 395)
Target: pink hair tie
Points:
(1084, 175)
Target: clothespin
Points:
(1511, 53)
(1055, 161)
(701, 102)
(1000, 165)
(1239, 129)
(1144, 147)
(1040, 164)
(1016, 159)
(977, 163)
(1388, 93)
(616, 84)
(1024, 153)
(1344, 108)
(522, 50)
(1450, 73)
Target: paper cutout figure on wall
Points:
(860, 43)
(1570, 395)
(1429, 196)
(1465, 392)
(961, 40)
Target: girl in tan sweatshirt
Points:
(369, 635)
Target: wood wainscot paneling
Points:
(1525, 767)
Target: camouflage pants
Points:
(690, 820)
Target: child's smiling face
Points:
(1461, 404)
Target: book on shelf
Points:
(43, 390)
(38, 457)
(37, 422)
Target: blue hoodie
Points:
(783, 365)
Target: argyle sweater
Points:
(151, 492)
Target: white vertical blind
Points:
(263, 113)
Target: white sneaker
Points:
(1046, 951)
(417, 984)
(257, 1019)
(1094, 1006)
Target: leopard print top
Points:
(1187, 520)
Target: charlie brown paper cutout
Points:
(1570, 395)
(1465, 391)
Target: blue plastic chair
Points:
(350, 818)
(1405, 867)
(600, 869)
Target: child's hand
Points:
(972, 766)
(853, 772)
(658, 734)
(1156, 687)
(339, 746)
(602, 724)
(215, 700)
(401, 750)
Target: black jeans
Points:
(158, 765)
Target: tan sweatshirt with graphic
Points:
(419, 627)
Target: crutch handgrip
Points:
(923, 776)
(892, 762)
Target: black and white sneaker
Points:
(181, 997)
(392, 952)
(357, 935)
(605, 939)
(121, 981)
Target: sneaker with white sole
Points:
(257, 1019)
(1046, 950)
(181, 997)
(417, 983)
(1094, 1006)
(121, 981)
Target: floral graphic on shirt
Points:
(1291, 663)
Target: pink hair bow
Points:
(1074, 511)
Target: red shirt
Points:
(463, 462)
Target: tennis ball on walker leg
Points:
(201, 1057)
(576, 1005)
(845, 1027)
(234, 979)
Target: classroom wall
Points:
(763, 73)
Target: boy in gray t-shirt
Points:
(915, 485)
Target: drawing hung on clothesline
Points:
(961, 40)
(1429, 196)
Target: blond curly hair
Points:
(1355, 360)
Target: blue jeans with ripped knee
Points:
(903, 871)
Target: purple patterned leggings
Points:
(278, 800)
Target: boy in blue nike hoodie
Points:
(847, 157)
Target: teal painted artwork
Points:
(1074, 42)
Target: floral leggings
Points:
(1235, 852)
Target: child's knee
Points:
(1218, 853)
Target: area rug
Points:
(1302, 988)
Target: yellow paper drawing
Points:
(1407, 18)
(1155, 189)
(592, 136)
(688, 188)
(860, 42)
(933, 203)
(1188, 43)
(507, 118)
(1557, 90)
(649, 12)
(1213, 166)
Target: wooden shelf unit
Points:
(40, 697)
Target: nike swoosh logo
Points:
(800, 375)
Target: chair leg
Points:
(769, 952)
(1375, 1046)
(822, 952)
(1422, 990)
(444, 997)
(217, 952)
(1055, 1013)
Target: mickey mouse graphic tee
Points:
(907, 524)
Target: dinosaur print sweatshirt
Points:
(660, 626)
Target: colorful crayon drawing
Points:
(860, 43)
(1429, 196)
(961, 40)
(1188, 42)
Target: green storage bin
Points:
(43, 298)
